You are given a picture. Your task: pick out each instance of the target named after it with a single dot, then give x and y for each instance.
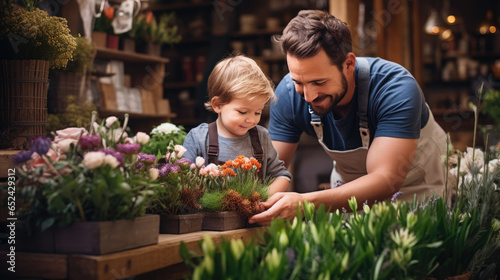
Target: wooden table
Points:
(163, 257)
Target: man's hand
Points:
(281, 205)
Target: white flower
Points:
(467, 160)
(199, 162)
(154, 173)
(93, 159)
(110, 121)
(142, 138)
(117, 132)
(179, 150)
(111, 160)
(493, 165)
(165, 128)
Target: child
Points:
(238, 90)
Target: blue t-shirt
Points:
(396, 108)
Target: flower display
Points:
(32, 33)
(85, 176)
(161, 136)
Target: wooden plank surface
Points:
(147, 259)
(50, 266)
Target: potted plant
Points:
(27, 51)
(104, 34)
(178, 192)
(232, 193)
(83, 187)
(161, 135)
(152, 34)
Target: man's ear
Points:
(215, 104)
(350, 61)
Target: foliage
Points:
(82, 176)
(82, 56)
(491, 106)
(161, 136)
(34, 34)
(146, 28)
(75, 115)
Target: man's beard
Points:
(323, 111)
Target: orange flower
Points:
(246, 166)
(236, 164)
(109, 12)
(228, 172)
(228, 163)
(149, 17)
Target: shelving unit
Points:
(146, 72)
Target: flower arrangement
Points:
(80, 175)
(234, 186)
(103, 23)
(32, 33)
(162, 135)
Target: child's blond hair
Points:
(238, 77)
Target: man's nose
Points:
(308, 93)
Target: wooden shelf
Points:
(105, 53)
(121, 264)
(135, 116)
(167, 85)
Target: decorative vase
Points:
(99, 38)
(94, 238)
(220, 221)
(178, 224)
(23, 102)
(112, 41)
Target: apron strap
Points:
(213, 145)
(363, 89)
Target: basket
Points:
(23, 102)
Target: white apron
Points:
(426, 174)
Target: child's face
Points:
(238, 116)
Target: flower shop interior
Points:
(86, 73)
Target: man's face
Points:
(319, 82)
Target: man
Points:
(368, 114)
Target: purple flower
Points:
(41, 145)
(113, 152)
(183, 163)
(395, 195)
(129, 148)
(146, 158)
(175, 169)
(22, 156)
(139, 165)
(89, 142)
(163, 169)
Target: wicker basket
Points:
(23, 101)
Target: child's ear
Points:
(215, 104)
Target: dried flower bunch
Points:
(80, 175)
(32, 33)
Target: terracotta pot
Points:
(227, 220)
(93, 238)
(177, 224)
(112, 41)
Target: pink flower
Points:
(69, 133)
(111, 160)
(65, 145)
(199, 162)
(128, 148)
(110, 121)
(154, 173)
(179, 150)
(210, 169)
(38, 161)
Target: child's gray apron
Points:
(426, 174)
